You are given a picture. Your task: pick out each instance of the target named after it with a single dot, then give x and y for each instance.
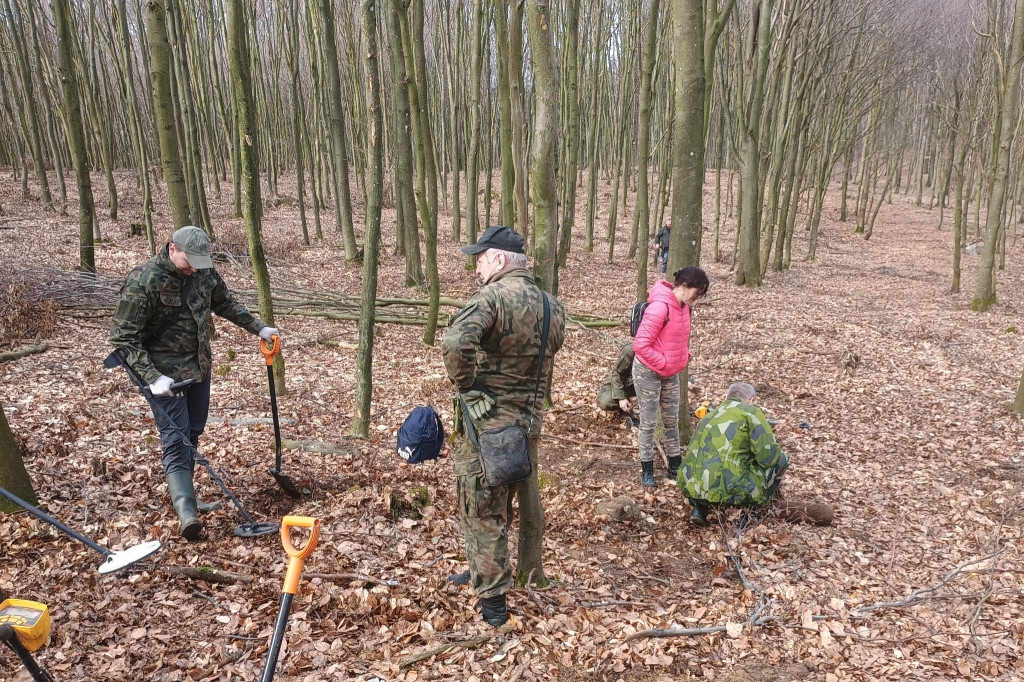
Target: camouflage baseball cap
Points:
(196, 245)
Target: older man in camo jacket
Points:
(164, 324)
(491, 351)
(733, 458)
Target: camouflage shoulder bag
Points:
(505, 452)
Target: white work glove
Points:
(162, 386)
(478, 403)
(267, 332)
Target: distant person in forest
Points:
(662, 351)
(733, 458)
(661, 242)
(617, 393)
(491, 352)
(163, 326)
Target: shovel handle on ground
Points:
(296, 558)
(270, 351)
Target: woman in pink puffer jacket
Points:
(662, 346)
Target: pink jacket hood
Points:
(663, 339)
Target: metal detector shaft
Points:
(224, 488)
(39, 513)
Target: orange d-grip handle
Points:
(296, 557)
(270, 351)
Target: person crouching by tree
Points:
(163, 326)
(662, 351)
(499, 355)
(733, 458)
(617, 393)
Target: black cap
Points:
(497, 237)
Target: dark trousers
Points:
(181, 419)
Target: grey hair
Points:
(511, 257)
(740, 390)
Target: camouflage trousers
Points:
(607, 401)
(654, 392)
(485, 514)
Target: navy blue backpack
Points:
(421, 436)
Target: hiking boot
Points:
(494, 610)
(647, 476)
(673, 467)
(460, 578)
(183, 497)
(629, 423)
(699, 517)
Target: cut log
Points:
(805, 511)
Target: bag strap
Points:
(543, 351)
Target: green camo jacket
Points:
(493, 344)
(731, 457)
(164, 319)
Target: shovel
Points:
(115, 561)
(291, 582)
(283, 480)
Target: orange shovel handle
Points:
(270, 351)
(296, 557)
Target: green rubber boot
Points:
(183, 497)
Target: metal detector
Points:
(249, 529)
(25, 627)
(115, 561)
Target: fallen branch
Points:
(18, 354)
(612, 602)
(590, 443)
(461, 644)
(314, 446)
(210, 575)
(352, 576)
(919, 595)
(250, 421)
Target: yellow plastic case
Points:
(30, 620)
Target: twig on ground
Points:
(584, 442)
(24, 352)
(353, 576)
(463, 644)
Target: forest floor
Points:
(914, 447)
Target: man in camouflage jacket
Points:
(491, 350)
(617, 390)
(733, 457)
(163, 326)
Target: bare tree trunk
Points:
(643, 206)
(544, 191)
(252, 206)
(163, 109)
(13, 476)
(371, 235)
(342, 195)
(985, 288)
(76, 134)
(34, 138)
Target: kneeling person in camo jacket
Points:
(733, 457)
(164, 324)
